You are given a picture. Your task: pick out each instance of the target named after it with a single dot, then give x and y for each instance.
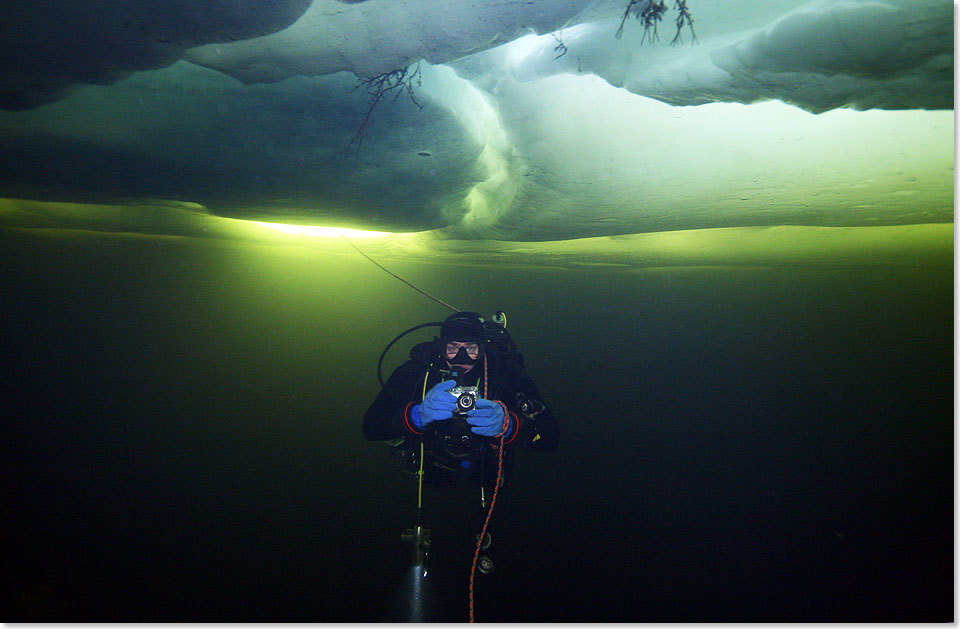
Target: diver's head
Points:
(461, 340)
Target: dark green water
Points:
(737, 444)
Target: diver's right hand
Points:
(437, 405)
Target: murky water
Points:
(738, 443)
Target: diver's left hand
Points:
(486, 418)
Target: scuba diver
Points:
(458, 407)
(455, 396)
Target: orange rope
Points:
(496, 489)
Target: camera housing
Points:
(466, 399)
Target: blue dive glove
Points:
(486, 418)
(437, 405)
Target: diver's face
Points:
(455, 351)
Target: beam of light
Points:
(416, 599)
(328, 232)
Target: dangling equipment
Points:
(419, 536)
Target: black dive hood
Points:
(493, 337)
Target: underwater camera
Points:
(455, 436)
(466, 399)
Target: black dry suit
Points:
(450, 447)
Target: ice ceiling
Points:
(524, 120)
